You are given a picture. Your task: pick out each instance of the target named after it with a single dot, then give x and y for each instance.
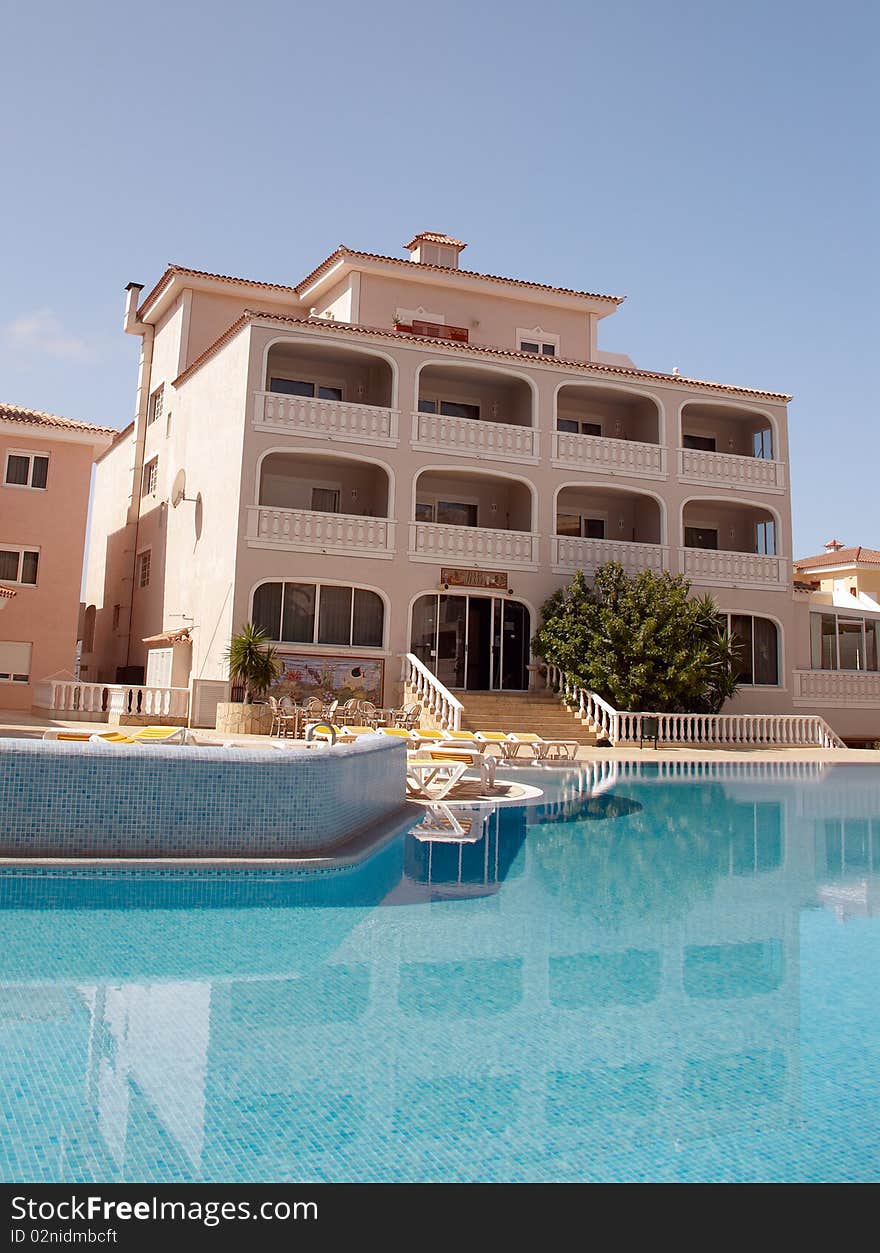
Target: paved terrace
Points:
(13, 723)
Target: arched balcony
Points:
(607, 429)
(327, 391)
(476, 413)
(726, 444)
(597, 524)
(326, 504)
(473, 518)
(730, 543)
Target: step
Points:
(542, 712)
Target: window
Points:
(542, 343)
(756, 645)
(578, 426)
(168, 425)
(151, 478)
(424, 511)
(19, 565)
(305, 387)
(143, 569)
(457, 512)
(703, 443)
(319, 613)
(844, 643)
(765, 538)
(451, 512)
(700, 537)
(117, 611)
(325, 499)
(449, 408)
(154, 409)
(15, 662)
(579, 525)
(26, 469)
(762, 445)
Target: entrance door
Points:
(473, 643)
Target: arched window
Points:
(756, 641)
(88, 639)
(319, 613)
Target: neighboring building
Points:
(850, 576)
(398, 455)
(45, 473)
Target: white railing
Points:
(325, 419)
(103, 699)
(752, 473)
(569, 552)
(837, 687)
(757, 730)
(308, 530)
(437, 541)
(720, 568)
(619, 456)
(589, 707)
(496, 441)
(424, 686)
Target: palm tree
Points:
(253, 661)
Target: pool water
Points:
(656, 974)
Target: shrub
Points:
(640, 641)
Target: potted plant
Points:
(254, 664)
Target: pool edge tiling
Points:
(110, 801)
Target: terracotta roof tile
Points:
(36, 417)
(840, 557)
(173, 269)
(596, 368)
(433, 237)
(7, 593)
(343, 251)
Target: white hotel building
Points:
(397, 455)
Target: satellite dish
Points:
(178, 491)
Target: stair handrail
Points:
(802, 730)
(590, 706)
(427, 689)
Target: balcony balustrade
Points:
(466, 437)
(472, 545)
(308, 530)
(325, 419)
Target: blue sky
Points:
(716, 163)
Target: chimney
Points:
(834, 546)
(433, 248)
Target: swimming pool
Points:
(675, 979)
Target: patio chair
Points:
(330, 710)
(368, 713)
(649, 730)
(346, 711)
(408, 716)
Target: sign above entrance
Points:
(494, 579)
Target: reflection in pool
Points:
(674, 983)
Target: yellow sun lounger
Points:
(541, 749)
(432, 779)
(140, 735)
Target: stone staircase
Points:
(542, 712)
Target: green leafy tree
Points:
(253, 661)
(640, 642)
